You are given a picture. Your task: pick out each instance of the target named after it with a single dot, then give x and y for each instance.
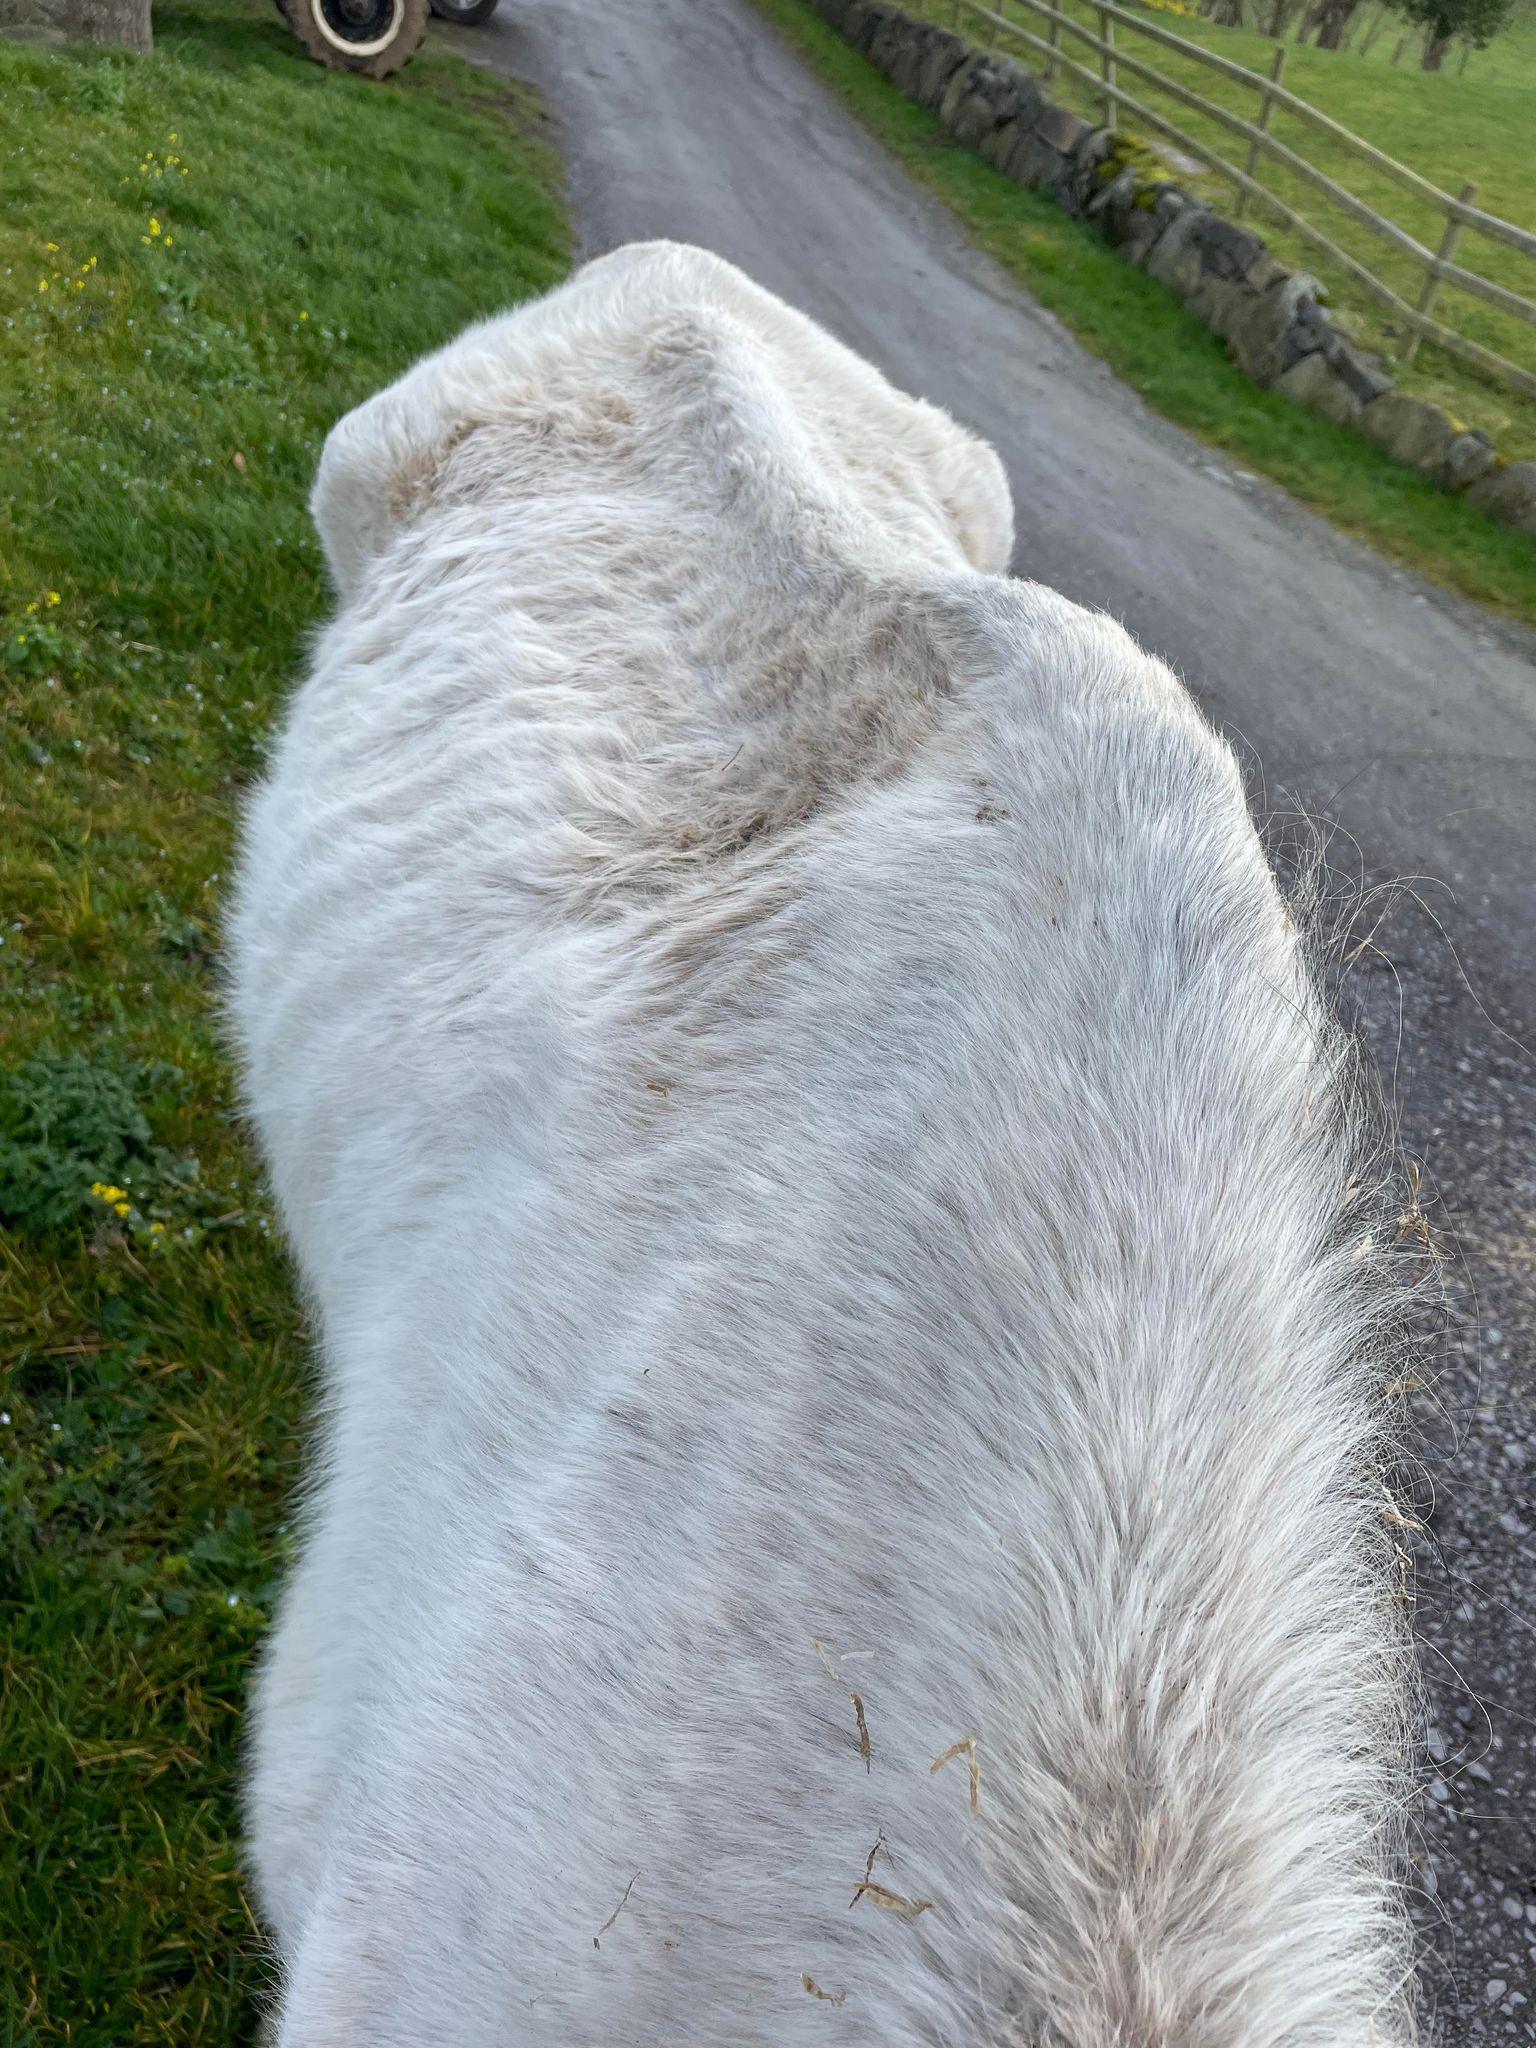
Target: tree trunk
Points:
(1373, 29)
(109, 21)
(1434, 53)
(1333, 17)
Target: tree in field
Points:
(1373, 29)
(1330, 18)
(1479, 21)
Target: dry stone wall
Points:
(1271, 318)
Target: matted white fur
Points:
(827, 1190)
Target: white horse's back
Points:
(828, 1191)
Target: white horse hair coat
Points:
(831, 1201)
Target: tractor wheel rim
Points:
(354, 26)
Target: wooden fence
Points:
(1459, 214)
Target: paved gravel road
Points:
(1405, 716)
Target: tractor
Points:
(374, 37)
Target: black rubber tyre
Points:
(469, 14)
(373, 37)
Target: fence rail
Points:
(1459, 213)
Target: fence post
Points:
(1107, 37)
(1053, 34)
(1446, 251)
(1266, 107)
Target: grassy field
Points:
(204, 258)
(1140, 329)
(1448, 126)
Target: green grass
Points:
(1447, 126)
(1140, 329)
(164, 400)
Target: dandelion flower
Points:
(154, 225)
(42, 284)
(54, 598)
(53, 246)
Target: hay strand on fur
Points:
(965, 1747)
(891, 1902)
(866, 1747)
(808, 1983)
(618, 1909)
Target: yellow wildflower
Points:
(42, 284)
(54, 598)
(52, 245)
(154, 225)
(155, 1229)
(104, 1191)
(123, 1208)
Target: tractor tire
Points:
(375, 38)
(467, 13)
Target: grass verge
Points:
(206, 256)
(1139, 328)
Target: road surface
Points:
(1360, 694)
